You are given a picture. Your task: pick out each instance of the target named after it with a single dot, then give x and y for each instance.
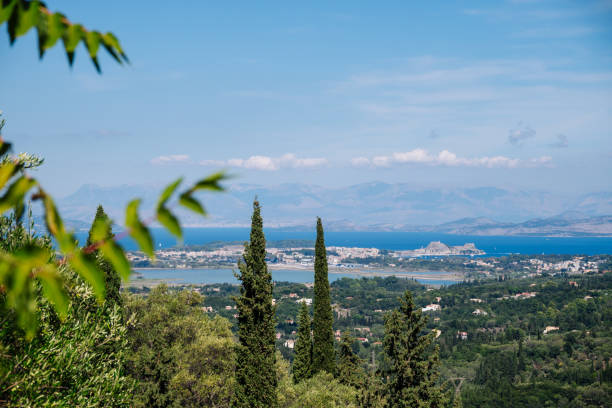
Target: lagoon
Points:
(204, 276)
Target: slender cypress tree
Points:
(413, 367)
(302, 363)
(323, 355)
(100, 215)
(111, 277)
(349, 369)
(255, 355)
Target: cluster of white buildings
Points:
(336, 256)
(346, 252)
(575, 265)
(183, 258)
(519, 296)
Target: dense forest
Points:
(502, 353)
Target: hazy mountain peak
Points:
(365, 206)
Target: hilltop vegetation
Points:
(505, 341)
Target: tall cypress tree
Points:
(302, 363)
(413, 366)
(111, 277)
(255, 355)
(323, 355)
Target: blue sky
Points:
(509, 94)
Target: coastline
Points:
(363, 272)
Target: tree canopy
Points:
(23, 15)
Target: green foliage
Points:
(302, 363)
(550, 373)
(23, 15)
(497, 367)
(322, 390)
(349, 369)
(25, 160)
(319, 391)
(101, 232)
(20, 270)
(24, 265)
(179, 356)
(412, 371)
(285, 392)
(372, 394)
(138, 230)
(323, 336)
(164, 216)
(78, 362)
(255, 356)
(542, 393)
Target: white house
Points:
(549, 329)
(431, 308)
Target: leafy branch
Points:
(20, 270)
(23, 15)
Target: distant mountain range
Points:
(372, 207)
(560, 225)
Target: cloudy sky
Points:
(508, 94)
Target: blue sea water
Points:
(492, 245)
(211, 276)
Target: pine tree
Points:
(255, 355)
(111, 277)
(413, 367)
(302, 363)
(323, 355)
(349, 369)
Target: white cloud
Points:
(266, 163)
(173, 158)
(450, 159)
(540, 162)
(381, 161)
(360, 161)
(414, 156)
(254, 162)
(290, 160)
